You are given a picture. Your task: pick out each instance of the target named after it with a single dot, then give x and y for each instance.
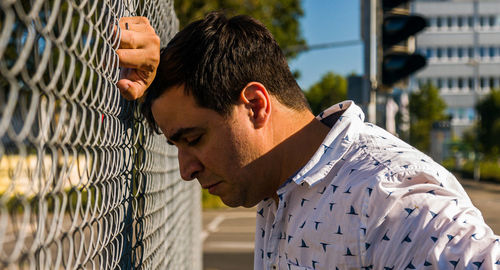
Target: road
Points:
(229, 233)
(228, 239)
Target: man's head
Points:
(216, 57)
(224, 94)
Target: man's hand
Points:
(139, 54)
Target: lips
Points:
(211, 187)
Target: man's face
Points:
(220, 151)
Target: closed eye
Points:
(194, 141)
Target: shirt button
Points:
(274, 267)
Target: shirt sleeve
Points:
(425, 221)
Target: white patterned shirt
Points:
(367, 200)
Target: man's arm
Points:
(431, 225)
(139, 54)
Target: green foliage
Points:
(209, 201)
(468, 140)
(331, 89)
(281, 17)
(489, 128)
(426, 107)
(490, 170)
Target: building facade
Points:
(462, 46)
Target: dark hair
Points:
(216, 57)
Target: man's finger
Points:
(146, 28)
(131, 90)
(135, 20)
(137, 40)
(138, 59)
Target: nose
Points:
(189, 164)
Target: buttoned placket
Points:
(273, 261)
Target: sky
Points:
(327, 21)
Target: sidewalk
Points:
(228, 238)
(486, 197)
(480, 185)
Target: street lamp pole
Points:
(477, 171)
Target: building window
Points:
(460, 83)
(460, 52)
(471, 114)
(471, 83)
(482, 83)
(428, 52)
(439, 83)
(439, 52)
(482, 21)
(450, 83)
(471, 52)
(449, 22)
(497, 20)
(482, 52)
(460, 22)
(432, 22)
(439, 22)
(470, 21)
(492, 21)
(449, 52)
(492, 51)
(461, 113)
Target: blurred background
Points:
(426, 70)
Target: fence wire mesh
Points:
(83, 183)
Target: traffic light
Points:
(395, 55)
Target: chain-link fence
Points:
(83, 183)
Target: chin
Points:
(232, 203)
(239, 204)
(235, 202)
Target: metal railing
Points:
(84, 184)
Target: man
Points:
(332, 191)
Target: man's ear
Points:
(256, 98)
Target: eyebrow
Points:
(181, 132)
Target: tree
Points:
(426, 107)
(281, 17)
(489, 128)
(331, 89)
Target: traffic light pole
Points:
(374, 35)
(369, 36)
(477, 170)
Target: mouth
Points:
(211, 187)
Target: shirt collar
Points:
(336, 143)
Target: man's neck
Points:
(299, 137)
